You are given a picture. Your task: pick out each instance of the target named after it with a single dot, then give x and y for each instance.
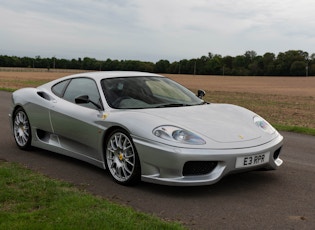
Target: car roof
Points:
(99, 75)
(112, 74)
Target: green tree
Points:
(240, 64)
(298, 68)
(285, 60)
(256, 66)
(162, 66)
(269, 63)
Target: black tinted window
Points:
(146, 92)
(80, 87)
(59, 88)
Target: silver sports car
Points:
(143, 126)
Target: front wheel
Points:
(122, 159)
(22, 129)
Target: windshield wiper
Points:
(179, 104)
(172, 105)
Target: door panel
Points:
(75, 125)
(76, 128)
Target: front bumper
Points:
(164, 164)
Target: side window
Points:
(59, 88)
(82, 86)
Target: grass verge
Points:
(7, 89)
(295, 129)
(32, 201)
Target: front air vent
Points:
(196, 168)
(44, 95)
(276, 153)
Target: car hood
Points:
(221, 123)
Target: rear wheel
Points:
(122, 159)
(22, 129)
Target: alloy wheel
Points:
(21, 129)
(121, 158)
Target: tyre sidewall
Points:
(136, 175)
(27, 145)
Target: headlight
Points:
(263, 124)
(173, 133)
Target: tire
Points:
(22, 129)
(121, 158)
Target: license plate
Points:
(252, 160)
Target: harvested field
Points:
(16, 80)
(281, 100)
(288, 101)
(290, 86)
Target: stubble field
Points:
(284, 101)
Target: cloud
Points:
(155, 29)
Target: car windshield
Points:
(146, 92)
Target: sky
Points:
(152, 30)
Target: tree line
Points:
(289, 63)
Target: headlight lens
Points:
(263, 124)
(173, 133)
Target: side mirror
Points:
(84, 99)
(201, 93)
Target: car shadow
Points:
(98, 181)
(230, 185)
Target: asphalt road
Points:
(281, 199)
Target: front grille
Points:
(195, 168)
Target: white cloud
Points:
(155, 29)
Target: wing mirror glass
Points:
(84, 99)
(201, 93)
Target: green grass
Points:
(295, 129)
(11, 85)
(7, 89)
(32, 201)
(33, 83)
